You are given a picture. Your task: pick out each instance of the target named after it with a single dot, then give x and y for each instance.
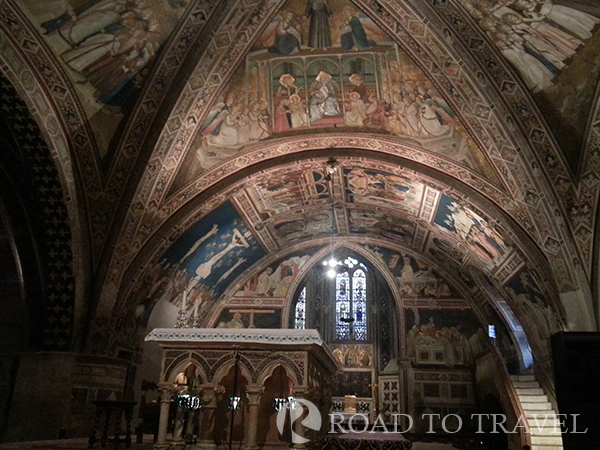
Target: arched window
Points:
(300, 312)
(351, 302)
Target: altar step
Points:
(539, 413)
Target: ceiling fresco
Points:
(206, 259)
(287, 207)
(355, 77)
(221, 182)
(553, 45)
(107, 48)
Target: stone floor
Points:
(71, 444)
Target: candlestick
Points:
(184, 301)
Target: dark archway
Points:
(495, 437)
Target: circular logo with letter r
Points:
(296, 408)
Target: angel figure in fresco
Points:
(323, 100)
(319, 12)
(352, 34)
(287, 34)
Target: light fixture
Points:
(189, 402)
(235, 402)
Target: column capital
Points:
(210, 394)
(254, 393)
(300, 391)
(166, 392)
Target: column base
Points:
(204, 445)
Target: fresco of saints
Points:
(323, 100)
(353, 35)
(287, 35)
(319, 12)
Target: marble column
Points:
(166, 392)
(191, 420)
(206, 418)
(254, 393)
(299, 392)
(178, 426)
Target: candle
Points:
(184, 301)
(196, 307)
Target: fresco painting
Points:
(381, 188)
(365, 221)
(249, 318)
(106, 47)
(276, 193)
(340, 71)
(275, 280)
(443, 337)
(303, 225)
(489, 246)
(302, 192)
(528, 300)
(544, 41)
(414, 279)
(206, 259)
(353, 355)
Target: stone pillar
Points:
(39, 408)
(166, 391)
(191, 420)
(299, 392)
(254, 393)
(206, 418)
(178, 426)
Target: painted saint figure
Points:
(298, 114)
(356, 111)
(323, 100)
(353, 35)
(319, 12)
(287, 36)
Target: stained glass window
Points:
(300, 313)
(351, 302)
(342, 306)
(359, 305)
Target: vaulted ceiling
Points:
(472, 144)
